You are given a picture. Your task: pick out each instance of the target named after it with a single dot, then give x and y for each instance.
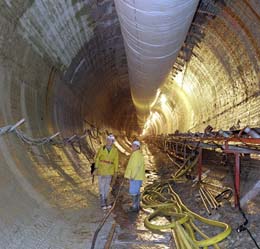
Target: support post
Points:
(200, 164)
(185, 151)
(237, 179)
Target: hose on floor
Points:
(165, 203)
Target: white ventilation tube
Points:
(153, 31)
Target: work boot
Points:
(108, 206)
(135, 206)
(103, 202)
(138, 201)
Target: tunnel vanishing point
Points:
(133, 68)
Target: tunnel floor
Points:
(130, 231)
(73, 227)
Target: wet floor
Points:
(130, 231)
(71, 219)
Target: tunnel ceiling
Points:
(215, 79)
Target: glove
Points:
(92, 168)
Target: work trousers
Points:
(104, 185)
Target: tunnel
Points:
(73, 71)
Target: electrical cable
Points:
(243, 227)
(105, 218)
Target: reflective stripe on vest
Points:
(107, 162)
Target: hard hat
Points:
(137, 143)
(111, 137)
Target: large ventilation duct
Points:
(153, 31)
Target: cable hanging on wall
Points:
(75, 140)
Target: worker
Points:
(135, 172)
(106, 165)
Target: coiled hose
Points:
(161, 197)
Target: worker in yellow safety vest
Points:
(106, 164)
(135, 172)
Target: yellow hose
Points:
(215, 239)
(182, 218)
(166, 203)
(176, 239)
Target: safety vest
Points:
(106, 161)
(135, 168)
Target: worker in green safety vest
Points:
(106, 164)
(135, 172)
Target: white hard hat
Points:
(111, 137)
(137, 143)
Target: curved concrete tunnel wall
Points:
(228, 61)
(220, 83)
(78, 70)
(58, 74)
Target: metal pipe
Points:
(71, 138)
(17, 124)
(203, 201)
(55, 135)
(211, 198)
(223, 133)
(110, 236)
(251, 132)
(153, 33)
(206, 198)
